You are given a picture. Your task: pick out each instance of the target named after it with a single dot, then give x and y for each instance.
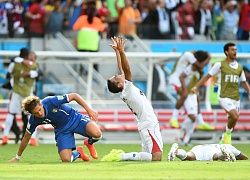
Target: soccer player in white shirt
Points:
(207, 152)
(148, 125)
(199, 59)
(230, 73)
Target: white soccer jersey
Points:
(190, 73)
(206, 152)
(138, 104)
(186, 59)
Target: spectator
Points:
(36, 15)
(26, 5)
(16, 21)
(88, 27)
(129, 17)
(54, 20)
(218, 17)
(4, 7)
(113, 19)
(244, 24)
(71, 11)
(203, 21)
(185, 17)
(230, 23)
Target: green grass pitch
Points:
(43, 162)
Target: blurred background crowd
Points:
(148, 19)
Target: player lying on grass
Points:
(66, 121)
(148, 125)
(207, 152)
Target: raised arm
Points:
(124, 61)
(118, 57)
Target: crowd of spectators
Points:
(149, 19)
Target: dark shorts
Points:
(65, 139)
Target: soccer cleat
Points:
(227, 138)
(113, 156)
(83, 156)
(33, 142)
(205, 127)
(172, 152)
(228, 155)
(5, 140)
(174, 123)
(91, 148)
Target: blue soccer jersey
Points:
(58, 114)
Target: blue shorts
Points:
(65, 138)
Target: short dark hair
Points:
(226, 47)
(113, 86)
(24, 53)
(201, 55)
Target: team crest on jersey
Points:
(54, 110)
(59, 97)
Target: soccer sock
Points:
(75, 155)
(175, 114)
(136, 156)
(200, 119)
(8, 124)
(92, 140)
(229, 131)
(181, 154)
(187, 130)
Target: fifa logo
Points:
(232, 78)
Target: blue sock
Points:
(75, 155)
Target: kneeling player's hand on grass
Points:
(14, 160)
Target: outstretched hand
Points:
(114, 45)
(118, 43)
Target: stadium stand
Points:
(124, 121)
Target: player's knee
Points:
(66, 159)
(184, 95)
(97, 134)
(157, 156)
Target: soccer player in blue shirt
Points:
(66, 121)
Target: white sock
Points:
(175, 114)
(188, 126)
(181, 154)
(136, 156)
(229, 131)
(200, 119)
(8, 123)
